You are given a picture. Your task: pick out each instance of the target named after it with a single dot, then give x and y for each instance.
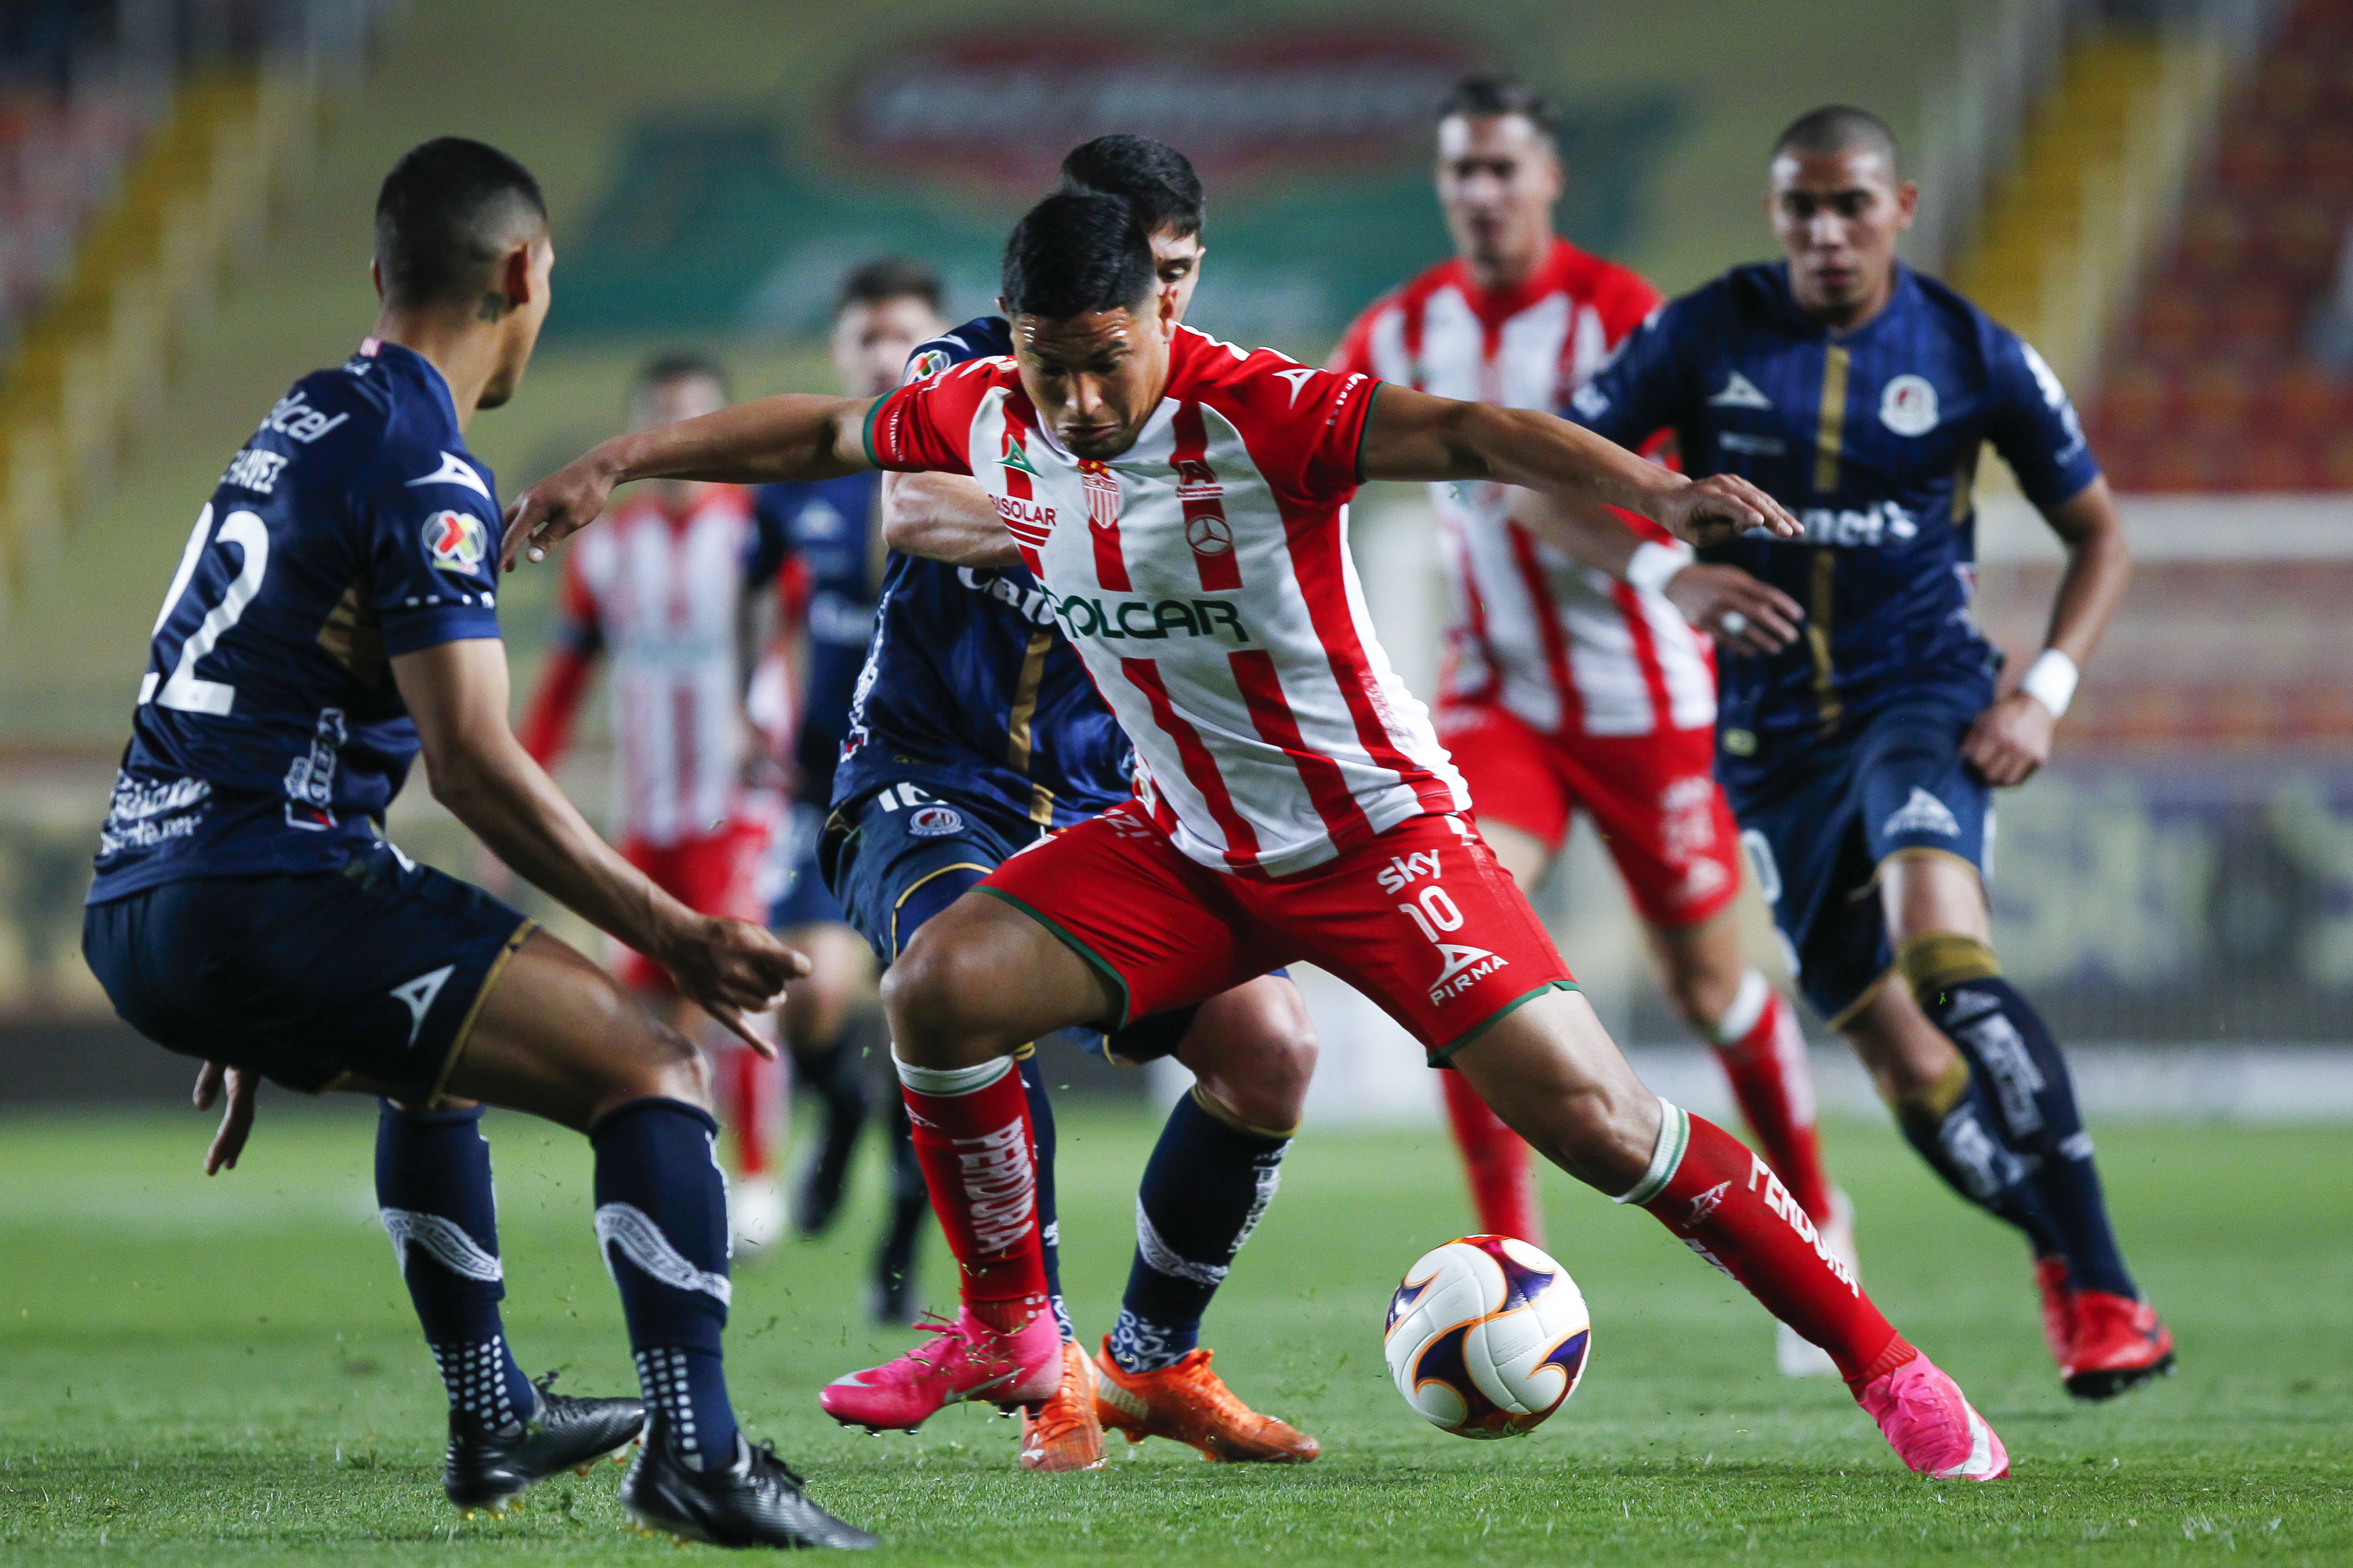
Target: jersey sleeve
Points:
(1644, 387)
(925, 427)
(1305, 426)
(2034, 426)
(431, 550)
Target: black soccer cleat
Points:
(756, 1502)
(487, 1470)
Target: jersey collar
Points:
(409, 362)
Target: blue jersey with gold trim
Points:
(831, 527)
(269, 738)
(969, 686)
(1870, 437)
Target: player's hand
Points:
(2011, 740)
(237, 1119)
(1722, 507)
(559, 506)
(728, 968)
(1743, 613)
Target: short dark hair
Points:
(1486, 92)
(888, 277)
(1071, 255)
(681, 364)
(1838, 128)
(1155, 177)
(447, 212)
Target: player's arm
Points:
(1738, 610)
(947, 516)
(793, 436)
(1411, 435)
(2011, 739)
(457, 693)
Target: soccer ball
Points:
(1487, 1336)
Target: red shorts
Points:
(717, 874)
(1421, 920)
(1654, 798)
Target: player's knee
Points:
(929, 996)
(1257, 1064)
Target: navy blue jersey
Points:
(828, 525)
(1871, 438)
(353, 526)
(968, 686)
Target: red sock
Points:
(1729, 1207)
(1495, 1158)
(752, 1089)
(977, 1150)
(1770, 1079)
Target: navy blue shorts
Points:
(881, 849)
(1816, 828)
(803, 898)
(375, 971)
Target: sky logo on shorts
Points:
(457, 541)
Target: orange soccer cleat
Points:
(1063, 1434)
(1188, 1403)
(2119, 1343)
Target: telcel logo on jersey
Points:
(457, 541)
(1885, 521)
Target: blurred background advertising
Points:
(2158, 194)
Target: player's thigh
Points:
(1924, 890)
(1555, 1076)
(1252, 1050)
(374, 972)
(1904, 1052)
(1702, 965)
(557, 1037)
(1518, 797)
(1101, 924)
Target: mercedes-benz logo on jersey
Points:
(1908, 406)
(1209, 534)
(457, 541)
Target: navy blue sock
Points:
(432, 1187)
(1205, 1188)
(1954, 1128)
(902, 1232)
(661, 1223)
(2032, 1097)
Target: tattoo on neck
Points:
(494, 305)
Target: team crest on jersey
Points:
(457, 541)
(1103, 494)
(1908, 406)
(935, 822)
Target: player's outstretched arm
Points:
(1742, 612)
(1411, 435)
(792, 435)
(456, 693)
(2011, 739)
(947, 516)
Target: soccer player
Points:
(335, 612)
(885, 308)
(661, 597)
(1860, 754)
(978, 732)
(1568, 687)
(1182, 503)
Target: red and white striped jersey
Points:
(659, 595)
(1572, 650)
(1203, 577)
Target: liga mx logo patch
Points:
(457, 541)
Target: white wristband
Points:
(2051, 680)
(1653, 563)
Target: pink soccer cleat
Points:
(963, 1359)
(1931, 1427)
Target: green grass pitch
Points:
(205, 1373)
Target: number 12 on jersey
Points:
(183, 689)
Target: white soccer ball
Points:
(1487, 1336)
